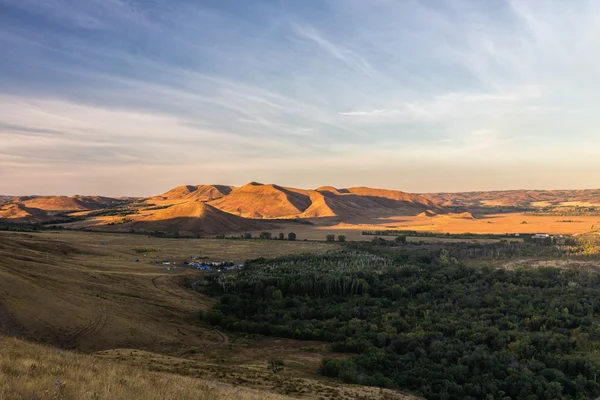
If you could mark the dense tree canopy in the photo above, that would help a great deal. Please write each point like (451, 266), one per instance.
(420, 320)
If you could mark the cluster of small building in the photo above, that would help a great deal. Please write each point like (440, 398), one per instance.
(208, 266)
(558, 239)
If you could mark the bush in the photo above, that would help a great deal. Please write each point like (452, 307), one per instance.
(275, 366)
(291, 236)
(400, 239)
(330, 238)
(265, 235)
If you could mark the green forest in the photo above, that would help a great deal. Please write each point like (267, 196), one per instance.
(422, 320)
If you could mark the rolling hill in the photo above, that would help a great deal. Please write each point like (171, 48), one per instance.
(20, 213)
(192, 218)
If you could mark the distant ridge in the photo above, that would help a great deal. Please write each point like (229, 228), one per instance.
(516, 198)
(64, 203)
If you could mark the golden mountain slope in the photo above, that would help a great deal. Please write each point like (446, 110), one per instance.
(187, 193)
(255, 200)
(272, 201)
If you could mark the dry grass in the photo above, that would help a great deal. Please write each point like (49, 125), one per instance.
(29, 371)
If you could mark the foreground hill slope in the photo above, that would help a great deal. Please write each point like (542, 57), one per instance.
(195, 218)
(31, 371)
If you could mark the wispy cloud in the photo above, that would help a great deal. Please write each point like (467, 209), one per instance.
(261, 91)
(348, 57)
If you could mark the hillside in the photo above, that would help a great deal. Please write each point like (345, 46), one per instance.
(272, 201)
(32, 371)
(20, 213)
(193, 218)
(256, 200)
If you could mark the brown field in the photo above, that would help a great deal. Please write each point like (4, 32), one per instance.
(451, 223)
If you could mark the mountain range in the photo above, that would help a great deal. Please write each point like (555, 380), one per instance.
(215, 209)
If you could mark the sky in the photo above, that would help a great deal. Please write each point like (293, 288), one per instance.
(134, 97)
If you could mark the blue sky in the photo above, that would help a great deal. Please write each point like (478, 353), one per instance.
(132, 97)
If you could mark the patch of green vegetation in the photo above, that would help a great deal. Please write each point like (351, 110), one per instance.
(144, 250)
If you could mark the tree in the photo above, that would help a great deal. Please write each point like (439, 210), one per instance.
(291, 236)
(330, 238)
(281, 236)
(265, 235)
(247, 235)
(401, 239)
(341, 238)
(275, 366)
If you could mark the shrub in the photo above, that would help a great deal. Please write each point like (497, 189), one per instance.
(275, 366)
